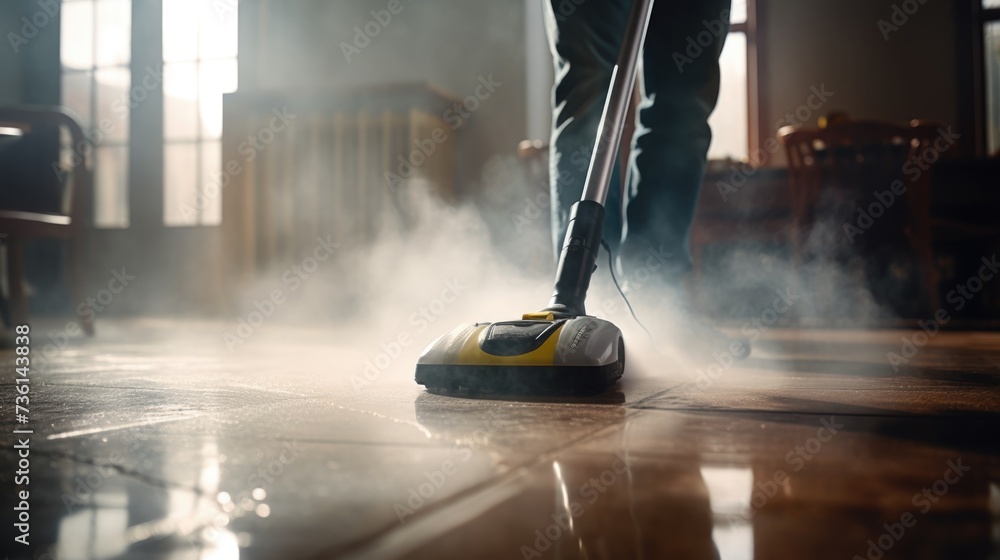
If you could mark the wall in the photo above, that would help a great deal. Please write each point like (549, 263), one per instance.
(10, 62)
(838, 43)
(539, 67)
(300, 45)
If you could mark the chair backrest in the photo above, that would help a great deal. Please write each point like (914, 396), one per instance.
(41, 172)
(854, 157)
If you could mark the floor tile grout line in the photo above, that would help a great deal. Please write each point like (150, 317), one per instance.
(121, 469)
(357, 547)
(159, 388)
(638, 403)
(976, 416)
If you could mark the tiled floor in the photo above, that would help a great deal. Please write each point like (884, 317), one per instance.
(153, 441)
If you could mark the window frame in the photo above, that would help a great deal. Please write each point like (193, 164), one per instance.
(750, 29)
(983, 17)
(92, 124)
(199, 140)
(144, 129)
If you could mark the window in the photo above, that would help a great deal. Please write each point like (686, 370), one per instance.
(95, 40)
(731, 119)
(199, 66)
(991, 62)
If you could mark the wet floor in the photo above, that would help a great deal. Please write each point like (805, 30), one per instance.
(153, 441)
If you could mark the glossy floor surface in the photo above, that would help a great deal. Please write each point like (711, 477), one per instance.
(153, 441)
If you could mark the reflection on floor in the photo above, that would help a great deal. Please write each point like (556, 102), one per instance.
(153, 441)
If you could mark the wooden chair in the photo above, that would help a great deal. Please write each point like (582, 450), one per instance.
(68, 221)
(856, 158)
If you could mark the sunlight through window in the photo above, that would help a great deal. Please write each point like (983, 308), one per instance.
(199, 56)
(992, 63)
(95, 40)
(729, 491)
(730, 120)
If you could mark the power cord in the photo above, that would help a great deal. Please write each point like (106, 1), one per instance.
(611, 268)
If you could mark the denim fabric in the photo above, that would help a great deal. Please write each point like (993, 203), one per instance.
(679, 83)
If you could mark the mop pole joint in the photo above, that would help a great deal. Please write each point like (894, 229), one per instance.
(578, 259)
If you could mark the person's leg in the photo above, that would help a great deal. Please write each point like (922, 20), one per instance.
(679, 92)
(584, 39)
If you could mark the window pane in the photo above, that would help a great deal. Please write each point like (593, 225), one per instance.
(991, 3)
(200, 46)
(180, 30)
(98, 34)
(217, 78)
(76, 49)
(179, 185)
(76, 95)
(180, 101)
(210, 188)
(114, 32)
(111, 186)
(738, 12)
(729, 120)
(992, 49)
(112, 104)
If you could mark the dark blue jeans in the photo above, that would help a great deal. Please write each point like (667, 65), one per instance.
(679, 83)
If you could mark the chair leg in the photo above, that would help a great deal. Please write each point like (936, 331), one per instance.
(15, 283)
(795, 270)
(920, 245)
(76, 279)
(926, 258)
(5, 299)
(921, 240)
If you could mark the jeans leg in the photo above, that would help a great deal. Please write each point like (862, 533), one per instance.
(584, 39)
(679, 92)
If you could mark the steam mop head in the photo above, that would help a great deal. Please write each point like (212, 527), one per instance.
(577, 355)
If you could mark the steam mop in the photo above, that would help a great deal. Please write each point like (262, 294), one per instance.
(559, 349)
